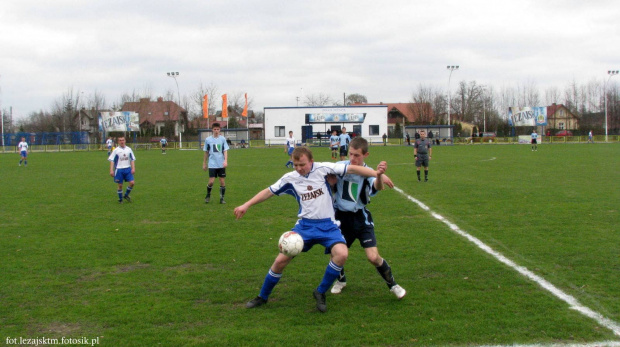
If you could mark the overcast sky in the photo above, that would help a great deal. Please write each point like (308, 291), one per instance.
(279, 50)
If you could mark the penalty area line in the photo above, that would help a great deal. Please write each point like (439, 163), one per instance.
(569, 299)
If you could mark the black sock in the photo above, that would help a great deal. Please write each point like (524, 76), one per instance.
(222, 191)
(425, 174)
(386, 272)
(342, 277)
(209, 190)
(418, 174)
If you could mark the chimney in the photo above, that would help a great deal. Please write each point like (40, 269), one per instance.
(160, 99)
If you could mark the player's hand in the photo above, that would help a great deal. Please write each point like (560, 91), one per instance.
(133, 171)
(332, 180)
(240, 211)
(225, 163)
(204, 167)
(112, 173)
(381, 168)
(387, 181)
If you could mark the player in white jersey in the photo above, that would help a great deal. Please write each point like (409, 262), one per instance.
(534, 140)
(109, 143)
(334, 143)
(122, 168)
(316, 224)
(216, 153)
(352, 194)
(289, 147)
(163, 142)
(344, 144)
(23, 152)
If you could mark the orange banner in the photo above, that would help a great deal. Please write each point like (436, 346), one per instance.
(245, 108)
(224, 106)
(205, 107)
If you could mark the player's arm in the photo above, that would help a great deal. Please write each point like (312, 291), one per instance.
(112, 168)
(205, 160)
(362, 171)
(258, 198)
(133, 167)
(225, 159)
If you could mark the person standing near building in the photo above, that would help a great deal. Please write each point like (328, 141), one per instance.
(352, 194)
(344, 143)
(590, 137)
(408, 139)
(216, 154)
(316, 223)
(422, 151)
(122, 168)
(334, 144)
(384, 139)
(163, 142)
(109, 143)
(289, 147)
(23, 152)
(534, 141)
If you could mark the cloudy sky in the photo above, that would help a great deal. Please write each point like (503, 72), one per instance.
(279, 50)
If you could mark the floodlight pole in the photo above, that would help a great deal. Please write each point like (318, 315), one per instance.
(451, 68)
(174, 75)
(611, 74)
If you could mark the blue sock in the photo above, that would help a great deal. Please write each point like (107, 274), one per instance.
(129, 189)
(271, 280)
(120, 194)
(331, 273)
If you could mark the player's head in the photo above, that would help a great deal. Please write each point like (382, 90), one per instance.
(344, 130)
(302, 160)
(121, 141)
(334, 132)
(422, 134)
(23, 139)
(358, 150)
(216, 129)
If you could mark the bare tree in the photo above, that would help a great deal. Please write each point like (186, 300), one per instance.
(212, 94)
(355, 99)
(421, 104)
(319, 100)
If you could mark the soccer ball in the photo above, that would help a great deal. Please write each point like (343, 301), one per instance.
(291, 243)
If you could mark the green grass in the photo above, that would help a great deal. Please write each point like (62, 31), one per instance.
(171, 270)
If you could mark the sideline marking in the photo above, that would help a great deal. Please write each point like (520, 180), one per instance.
(572, 301)
(489, 159)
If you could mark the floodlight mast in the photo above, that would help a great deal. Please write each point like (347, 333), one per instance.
(174, 75)
(451, 68)
(611, 74)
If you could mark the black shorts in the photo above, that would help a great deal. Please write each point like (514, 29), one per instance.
(533, 141)
(421, 160)
(221, 172)
(357, 226)
(343, 151)
(163, 145)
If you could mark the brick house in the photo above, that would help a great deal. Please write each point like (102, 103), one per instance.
(158, 117)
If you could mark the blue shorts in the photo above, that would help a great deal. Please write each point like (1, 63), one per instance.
(290, 150)
(319, 231)
(123, 175)
(24, 154)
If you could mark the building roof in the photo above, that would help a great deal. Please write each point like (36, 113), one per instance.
(409, 110)
(155, 111)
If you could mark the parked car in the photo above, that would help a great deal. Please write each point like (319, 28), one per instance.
(564, 133)
(488, 134)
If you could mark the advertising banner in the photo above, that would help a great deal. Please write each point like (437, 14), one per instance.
(334, 116)
(527, 116)
(119, 121)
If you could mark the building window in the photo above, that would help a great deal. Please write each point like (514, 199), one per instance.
(279, 132)
(373, 130)
(357, 129)
(561, 126)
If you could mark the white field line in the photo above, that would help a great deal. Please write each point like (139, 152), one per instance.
(591, 344)
(573, 302)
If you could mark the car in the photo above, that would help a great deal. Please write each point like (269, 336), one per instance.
(564, 133)
(488, 134)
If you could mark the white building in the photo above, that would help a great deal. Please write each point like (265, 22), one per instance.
(306, 123)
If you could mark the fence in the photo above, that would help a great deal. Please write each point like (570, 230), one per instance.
(195, 145)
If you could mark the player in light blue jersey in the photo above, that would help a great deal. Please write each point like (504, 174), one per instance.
(316, 224)
(344, 144)
(163, 142)
(334, 143)
(534, 140)
(122, 168)
(289, 147)
(352, 194)
(216, 153)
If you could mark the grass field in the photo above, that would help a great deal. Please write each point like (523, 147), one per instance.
(170, 270)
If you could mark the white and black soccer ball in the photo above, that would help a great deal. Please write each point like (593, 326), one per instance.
(291, 243)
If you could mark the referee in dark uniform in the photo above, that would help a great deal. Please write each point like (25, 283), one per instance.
(422, 152)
